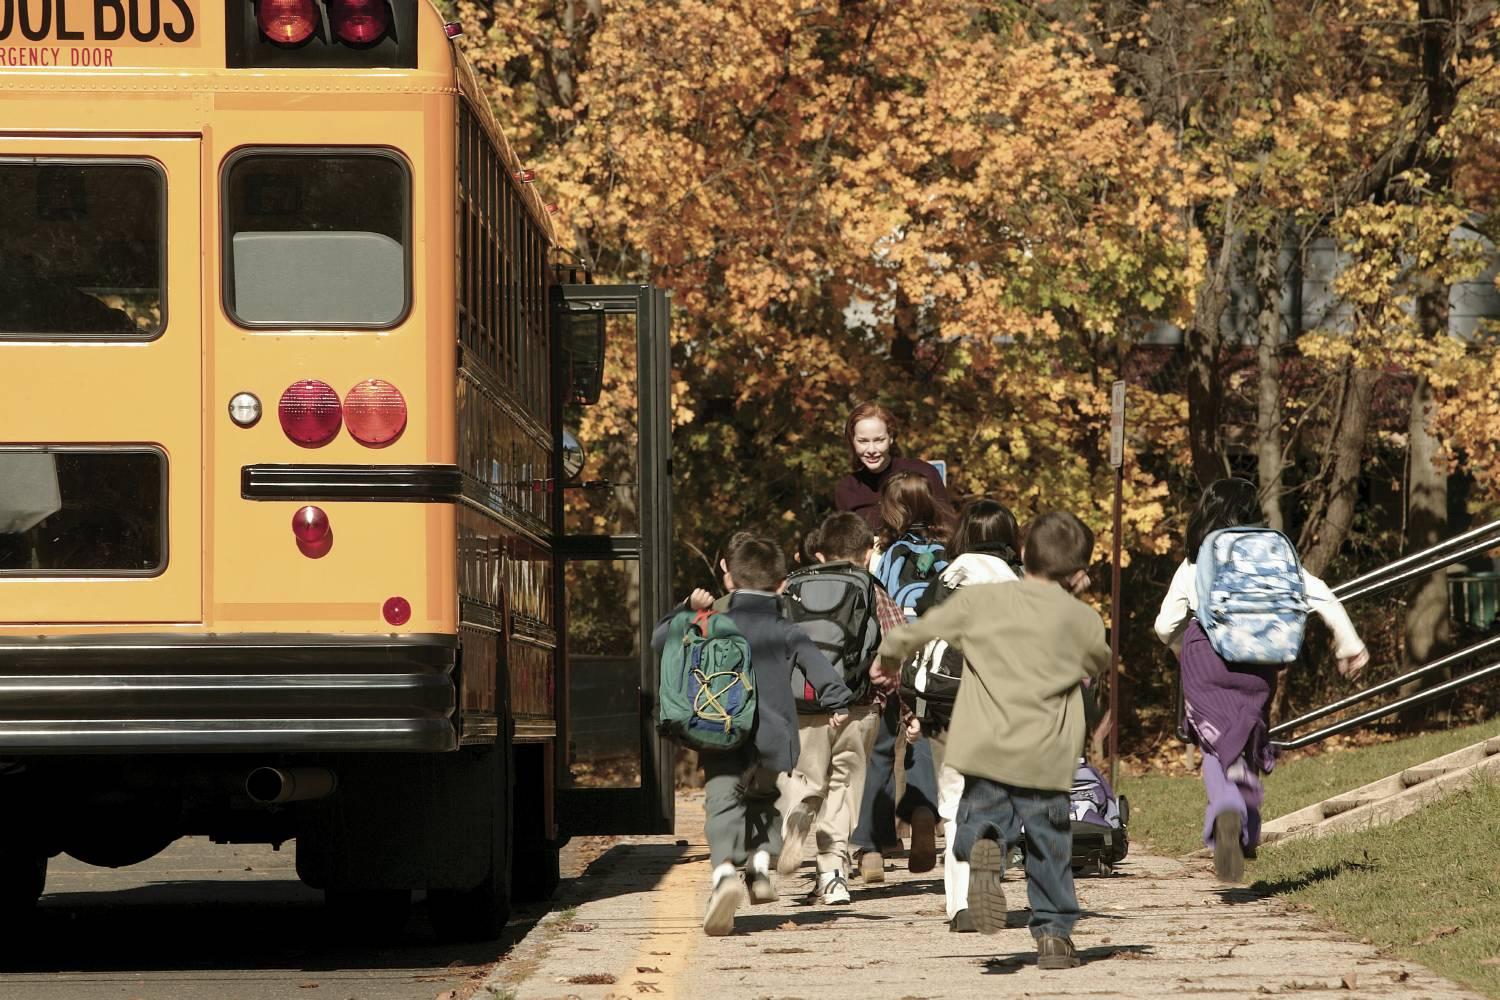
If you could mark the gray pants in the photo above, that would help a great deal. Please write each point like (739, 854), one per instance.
(739, 807)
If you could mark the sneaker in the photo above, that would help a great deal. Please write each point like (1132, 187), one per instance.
(923, 856)
(872, 867)
(1053, 952)
(1229, 854)
(962, 923)
(834, 888)
(761, 889)
(723, 900)
(986, 893)
(799, 821)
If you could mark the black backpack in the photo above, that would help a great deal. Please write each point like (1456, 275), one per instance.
(834, 603)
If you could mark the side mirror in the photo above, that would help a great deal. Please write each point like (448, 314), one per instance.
(583, 346)
(574, 458)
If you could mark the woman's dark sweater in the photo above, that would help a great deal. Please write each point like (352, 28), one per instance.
(860, 491)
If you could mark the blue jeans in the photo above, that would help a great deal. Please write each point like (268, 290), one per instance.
(990, 810)
(878, 808)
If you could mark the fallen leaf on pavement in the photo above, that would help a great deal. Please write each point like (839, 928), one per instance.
(307, 986)
(643, 969)
(790, 925)
(1350, 981)
(592, 979)
(784, 951)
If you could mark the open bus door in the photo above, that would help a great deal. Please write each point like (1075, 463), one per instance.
(615, 772)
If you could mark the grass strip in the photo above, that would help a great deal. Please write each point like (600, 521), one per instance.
(1167, 811)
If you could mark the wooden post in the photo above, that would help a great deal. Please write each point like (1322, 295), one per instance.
(1116, 459)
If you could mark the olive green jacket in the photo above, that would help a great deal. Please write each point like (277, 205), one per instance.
(1027, 647)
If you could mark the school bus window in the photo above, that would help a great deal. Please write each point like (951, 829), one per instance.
(69, 510)
(317, 238)
(81, 249)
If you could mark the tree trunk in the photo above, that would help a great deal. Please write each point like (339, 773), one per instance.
(1326, 530)
(1268, 440)
(1427, 627)
(1205, 379)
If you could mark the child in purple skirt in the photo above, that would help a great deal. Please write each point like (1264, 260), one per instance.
(1227, 703)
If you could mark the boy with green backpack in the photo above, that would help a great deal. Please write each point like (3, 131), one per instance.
(741, 823)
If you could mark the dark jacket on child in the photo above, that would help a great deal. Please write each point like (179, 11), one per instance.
(775, 646)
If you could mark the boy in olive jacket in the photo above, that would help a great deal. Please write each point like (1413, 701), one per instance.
(1018, 724)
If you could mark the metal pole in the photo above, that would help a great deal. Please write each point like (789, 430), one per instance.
(1114, 638)
(1376, 713)
(1117, 459)
(1459, 656)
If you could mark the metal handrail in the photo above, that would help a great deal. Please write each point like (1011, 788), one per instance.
(1355, 722)
(1390, 685)
(1419, 564)
(1403, 570)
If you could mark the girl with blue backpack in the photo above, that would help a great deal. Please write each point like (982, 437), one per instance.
(1234, 613)
(913, 531)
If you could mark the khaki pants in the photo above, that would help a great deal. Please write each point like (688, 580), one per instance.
(950, 789)
(830, 777)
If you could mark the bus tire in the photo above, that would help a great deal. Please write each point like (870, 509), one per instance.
(537, 873)
(23, 876)
(368, 914)
(477, 914)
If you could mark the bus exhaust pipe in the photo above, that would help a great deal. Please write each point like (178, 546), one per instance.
(275, 785)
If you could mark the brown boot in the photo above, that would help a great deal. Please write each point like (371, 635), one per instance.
(923, 841)
(1053, 952)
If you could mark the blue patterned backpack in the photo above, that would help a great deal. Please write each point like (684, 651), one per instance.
(1252, 600)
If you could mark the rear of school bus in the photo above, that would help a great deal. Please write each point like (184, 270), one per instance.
(227, 448)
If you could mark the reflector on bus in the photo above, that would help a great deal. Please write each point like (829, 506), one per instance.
(287, 22)
(359, 22)
(321, 34)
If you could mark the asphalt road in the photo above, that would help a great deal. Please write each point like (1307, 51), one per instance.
(229, 922)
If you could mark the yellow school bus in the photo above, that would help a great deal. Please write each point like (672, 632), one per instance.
(287, 542)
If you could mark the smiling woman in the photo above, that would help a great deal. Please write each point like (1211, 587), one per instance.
(870, 432)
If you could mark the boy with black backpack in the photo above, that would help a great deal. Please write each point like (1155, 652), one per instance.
(839, 604)
(741, 823)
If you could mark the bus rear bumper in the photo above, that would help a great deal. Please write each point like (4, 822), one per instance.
(232, 694)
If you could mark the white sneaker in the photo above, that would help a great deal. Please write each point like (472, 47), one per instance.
(799, 821)
(723, 900)
(834, 888)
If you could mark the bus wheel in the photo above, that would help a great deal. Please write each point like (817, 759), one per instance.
(23, 875)
(365, 914)
(536, 872)
(477, 914)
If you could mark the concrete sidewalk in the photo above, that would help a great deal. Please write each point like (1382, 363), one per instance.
(1158, 927)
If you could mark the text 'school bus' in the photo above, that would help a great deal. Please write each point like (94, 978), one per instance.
(287, 522)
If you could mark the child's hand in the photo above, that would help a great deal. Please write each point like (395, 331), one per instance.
(1078, 583)
(913, 729)
(700, 600)
(1350, 666)
(837, 719)
(885, 674)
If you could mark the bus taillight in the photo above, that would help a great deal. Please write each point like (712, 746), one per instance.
(314, 533)
(310, 413)
(375, 412)
(287, 22)
(359, 22)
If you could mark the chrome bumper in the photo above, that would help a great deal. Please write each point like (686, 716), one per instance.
(210, 693)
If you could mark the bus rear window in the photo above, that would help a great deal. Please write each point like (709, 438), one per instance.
(317, 238)
(81, 249)
(82, 511)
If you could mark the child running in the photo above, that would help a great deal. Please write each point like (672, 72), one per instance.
(740, 819)
(982, 551)
(823, 792)
(1227, 703)
(1018, 723)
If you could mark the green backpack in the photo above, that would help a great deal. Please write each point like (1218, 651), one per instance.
(707, 694)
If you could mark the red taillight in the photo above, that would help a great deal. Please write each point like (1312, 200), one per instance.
(375, 412)
(287, 22)
(359, 22)
(309, 412)
(314, 533)
(397, 611)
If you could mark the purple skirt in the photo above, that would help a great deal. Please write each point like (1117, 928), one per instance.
(1226, 703)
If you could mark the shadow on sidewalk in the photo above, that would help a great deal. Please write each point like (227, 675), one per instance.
(1005, 965)
(1257, 891)
(623, 870)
